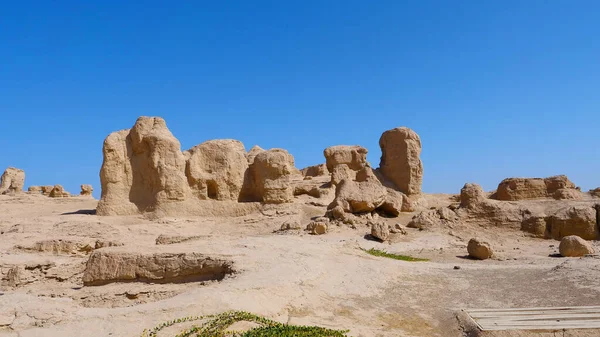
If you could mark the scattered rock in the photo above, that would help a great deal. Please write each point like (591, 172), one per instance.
(398, 229)
(60, 247)
(109, 266)
(380, 230)
(456, 267)
(12, 181)
(172, 239)
(290, 225)
(400, 159)
(479, 249)
(574, 246)
(433, 218)
(317, 228)
(106, 243)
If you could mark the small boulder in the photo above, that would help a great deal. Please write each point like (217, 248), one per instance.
(380, 230)
(479, 249)
(574, 246)
(317, 227)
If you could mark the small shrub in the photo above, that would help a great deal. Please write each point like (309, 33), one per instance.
(216, 325)
(377, 252)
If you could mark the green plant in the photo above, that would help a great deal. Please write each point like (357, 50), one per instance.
(216, 326)
(377, 252)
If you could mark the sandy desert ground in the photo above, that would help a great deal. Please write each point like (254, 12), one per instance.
(290, 276)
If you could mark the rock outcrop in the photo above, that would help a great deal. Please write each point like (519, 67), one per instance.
(574, 246)
(86, 190)
(345, 161)
(557, 187)
(252, 153)
(47, 189)
(216, 169)
(271, 174)
(315, 171)
(12, 180)
(479, 249)
(574, 220)
(59, 192)
(34, 190)
(400, 159)
(112, 266)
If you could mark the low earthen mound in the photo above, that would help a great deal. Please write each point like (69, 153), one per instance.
(105, 267)
(400, 159)
(512, 189)
(12, 180)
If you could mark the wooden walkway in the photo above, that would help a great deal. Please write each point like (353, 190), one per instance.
(557, 318)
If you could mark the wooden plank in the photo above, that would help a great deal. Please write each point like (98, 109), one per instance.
(533, 313)
(547, 318)
(531, 309)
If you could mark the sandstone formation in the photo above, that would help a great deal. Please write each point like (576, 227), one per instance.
(59, 192)
(400, 159)
(574, 246)
(595, 192)
(558, 187)
(215, 169)
(86, 190)
(47, 189)
(479, 249)
(344, 161)
(144, 170)
(12, 180)
(574, 220)
(315, 171)
(109, 266)
(34, 189)
(271, 174)
(252, 153)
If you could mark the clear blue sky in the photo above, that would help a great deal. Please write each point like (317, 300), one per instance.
(494, 88)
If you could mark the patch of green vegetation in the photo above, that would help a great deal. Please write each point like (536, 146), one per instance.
(216, 326)
(377, 252)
